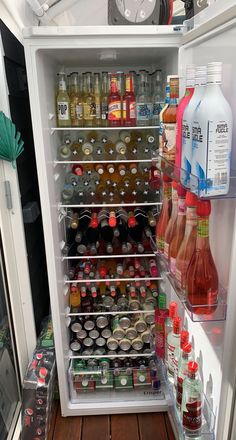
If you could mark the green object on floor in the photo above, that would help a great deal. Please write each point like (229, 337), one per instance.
(11, 144)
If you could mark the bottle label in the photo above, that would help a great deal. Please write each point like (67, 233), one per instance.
(167, 191)
(132, 109)
(62, 85)
(179, 390)
(212, 297)
(186, 151)
(181, 207)
(166, 250)
(89, 111)
(169, 141)
(157, 108)
(174, 196)
(63, 111)
(114, 111)
(104, 111)
(173, 265)
(144, 111)
(79, 111)
(160, 243)
(170, 357)
(98, 111)
(211, 155)
(191, 216)
(203, 227)
(192, 415)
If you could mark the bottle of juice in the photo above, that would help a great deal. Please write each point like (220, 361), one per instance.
(164, 215)
(180, 229)
(114, 104)
(189, 241)
(190, 74)
(129, 103)
(169, 118)
(212, 137)
(199, 90)
(171, 228)
(191, 409)
(63, 102)
(202, 278)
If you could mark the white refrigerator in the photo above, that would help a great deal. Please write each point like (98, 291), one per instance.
(106, 48)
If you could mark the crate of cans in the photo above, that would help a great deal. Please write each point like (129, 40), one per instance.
(95, 375)
(100, 334)
(38, 387)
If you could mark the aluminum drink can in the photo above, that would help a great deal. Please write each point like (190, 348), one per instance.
(146, 336)
(134, 304)
(149, 317)
(102, 321)
(88, 342)
(112, 353)
(89, 325)
(87, 352)
(112, 343)
(137, 343)
(81, 335)
(140, 325)
(75, 346)
(76, 327)
(104, 363)
(94, 334)
(119, 333)
(106, 333)
(99, 351)
(131, 333)
(124, 322)
(100, 342)
(125, 344)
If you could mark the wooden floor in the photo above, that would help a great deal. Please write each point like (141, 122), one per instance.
(150, 426)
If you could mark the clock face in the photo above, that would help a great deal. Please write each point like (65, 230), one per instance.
(136, 11)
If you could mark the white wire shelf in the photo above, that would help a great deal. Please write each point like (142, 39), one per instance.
(111, 356)
(112, 160)
(126, 312)
(111, 280)
(109, 205)
(147, 127)
(124, 256)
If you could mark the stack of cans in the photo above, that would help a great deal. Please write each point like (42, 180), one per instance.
(105, 334)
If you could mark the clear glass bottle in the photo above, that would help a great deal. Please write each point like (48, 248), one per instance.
(97, 96)
(180, 229)
(169, 118)
(173, 310)
(114, 104)
(171, 228)
(173, 342)
(187, 355)
(184, 339)
(143, 101)
(158, 97)
(76, 105)
(104, 99)
(192, 400)
(63, 102)
(164, 214)
(89, 106)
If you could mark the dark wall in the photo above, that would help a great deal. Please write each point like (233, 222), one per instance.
(26, 165)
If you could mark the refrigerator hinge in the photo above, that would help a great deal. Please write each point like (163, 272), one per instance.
(8, 194)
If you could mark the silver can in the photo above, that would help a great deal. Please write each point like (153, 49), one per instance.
(101, 321)
(125, 344)
(140, 325)
(124, 322)
(134, 304)
(94, 334)
(87, 352)
(149, 317)
(131, 333)
(92, 363)
(118, 333)
(76, 327)
(88, 342)
(146, 336)
(89, 325)
(100, 342)
(99, 351)
(112, 343)
(108, 302)
(153, 329)
(81, 335)
(75, 346)
(106, 333)
(112, 353)
(137, 343)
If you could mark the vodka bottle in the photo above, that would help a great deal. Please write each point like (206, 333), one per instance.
(144, 103)
(212, 137)
(173, 309)
(158, 98)
(191, 409)
(186, 155)
(182, 371)
(173, 342)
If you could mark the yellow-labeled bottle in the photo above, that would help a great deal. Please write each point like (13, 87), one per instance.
(63, 102)
(76, 105)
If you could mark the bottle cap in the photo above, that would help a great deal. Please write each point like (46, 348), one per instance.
(184, 337)
(131, 221)
(112, 219)
(166, 178)
(191, 199)
(187, 348)
(181, 190)
(203, 208)
(162, 301)
(176, 324)
(78, 170)
(94, 220)
(192, 367)
(173, 308)
(102, 271)
(174, 184)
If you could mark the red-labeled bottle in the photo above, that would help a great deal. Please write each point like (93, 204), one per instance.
(189, 241)
(179, 230)
(164, 215)
(161, 314)
(202, 279)
(114, 104)
(191, 408)
(129, 103)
